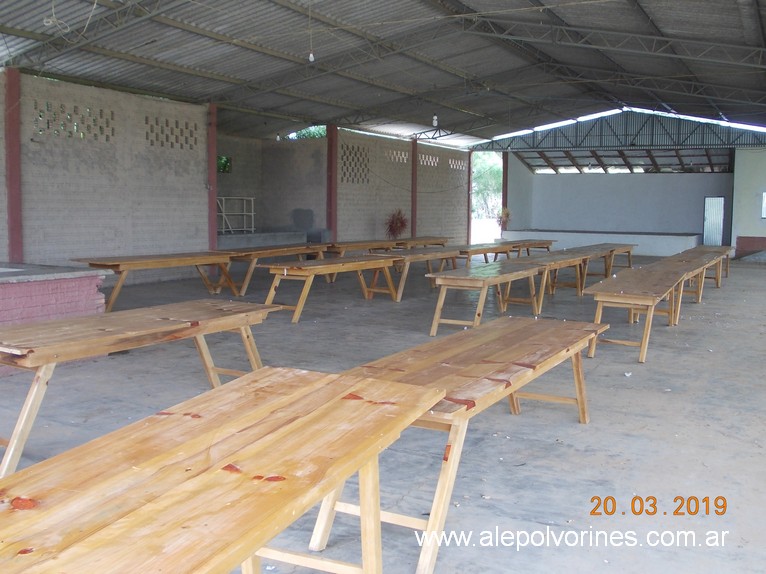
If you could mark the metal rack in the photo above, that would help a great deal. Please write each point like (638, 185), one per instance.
(236, 215)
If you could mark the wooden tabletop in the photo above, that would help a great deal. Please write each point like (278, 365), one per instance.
(362, 245)
(334, 265)
(201, 486)
(157, 261)
(33, 344)
(474, 365)
(248, 253)
(488, 273)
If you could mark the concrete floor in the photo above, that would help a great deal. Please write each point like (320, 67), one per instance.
(687, 423)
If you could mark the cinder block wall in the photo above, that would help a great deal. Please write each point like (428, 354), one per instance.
(443, 202)
(374, 179)
(106, 173)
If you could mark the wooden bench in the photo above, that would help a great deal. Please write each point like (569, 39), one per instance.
(207, 484)
(305, 271)
(41, 346)
(251, 255)
(478, 368)
(480, 278)
(199, 259)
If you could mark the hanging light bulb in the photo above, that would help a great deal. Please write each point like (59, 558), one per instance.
(435, 121)
(278, 137)
(311, 56)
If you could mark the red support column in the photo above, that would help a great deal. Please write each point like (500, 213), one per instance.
(13, 164)
(414, 189)
(212, 176)
(504, 191)
(332, 181)
(470, 195)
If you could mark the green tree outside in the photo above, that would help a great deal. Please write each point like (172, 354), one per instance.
(486, 184)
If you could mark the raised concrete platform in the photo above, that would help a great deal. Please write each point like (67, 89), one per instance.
(652, 244)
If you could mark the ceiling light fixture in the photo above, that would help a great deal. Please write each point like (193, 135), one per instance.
(435, 121)
(311, 39)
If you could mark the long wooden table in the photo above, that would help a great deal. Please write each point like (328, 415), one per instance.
(478, 368)
(199, 259)
(506, 248)
(251, 255)
(404, 258)
(205, 485)
(638, 290)
(41, 346)
(305, 271)
(480, 278)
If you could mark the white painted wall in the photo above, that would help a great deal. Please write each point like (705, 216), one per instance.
(749, 185)
(651, 203)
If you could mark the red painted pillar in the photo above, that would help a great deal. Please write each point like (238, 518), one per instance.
(470, 195)
(414, 189)
(332, 181)
(504, 191)
(212, 176)
(13, 164)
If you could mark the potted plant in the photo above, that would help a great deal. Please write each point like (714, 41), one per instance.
(503, 217)
(396, 223)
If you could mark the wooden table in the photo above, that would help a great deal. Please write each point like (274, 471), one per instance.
(506, 248)
(404, 258)
(252, 255)
(340, 248)
(481, 278)
(640, 291)
(199, 259)
(478, 368)
(305, 271)
(422, 241)
(41, 346)
(203, 486)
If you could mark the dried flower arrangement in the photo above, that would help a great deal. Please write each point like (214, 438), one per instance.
(503, 217)
(396, 223)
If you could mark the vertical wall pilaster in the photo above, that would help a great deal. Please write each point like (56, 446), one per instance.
(13, 164)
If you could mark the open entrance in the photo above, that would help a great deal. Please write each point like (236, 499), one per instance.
(486, 196)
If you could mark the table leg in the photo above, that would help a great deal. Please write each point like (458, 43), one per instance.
(369, 510)
(250, 348)
(444, 487)
(480, 305)
(302, 299)
(26, 419)
(403, 279)
(325, 518)
(121, 276)
(252, 565)
(579, 381)
(438, 311)
(538, 305)
(596, 319)
(248, 276)
(207, 361)
(647, 332)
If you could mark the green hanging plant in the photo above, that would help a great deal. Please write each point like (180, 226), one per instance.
(396, 223)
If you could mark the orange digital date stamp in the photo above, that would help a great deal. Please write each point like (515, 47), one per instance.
(648, 506)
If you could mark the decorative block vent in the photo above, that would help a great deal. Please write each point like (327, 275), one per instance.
(73, 121)
(459, 164)
(354, 164)
(429, 160)
(173, 134)
(397, 155)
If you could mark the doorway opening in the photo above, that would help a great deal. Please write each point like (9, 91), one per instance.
(486, 196)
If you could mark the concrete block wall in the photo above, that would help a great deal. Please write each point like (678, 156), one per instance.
(244, 180)
(443, 202)
(374, 179)
(106, 173)
(294, 184)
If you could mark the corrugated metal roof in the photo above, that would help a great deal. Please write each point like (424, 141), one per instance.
(485, 67)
